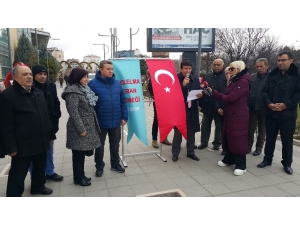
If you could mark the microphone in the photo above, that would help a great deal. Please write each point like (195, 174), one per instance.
(188, 76)
(205, 84)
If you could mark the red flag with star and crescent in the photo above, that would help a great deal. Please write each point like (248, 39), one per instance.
(168, 97)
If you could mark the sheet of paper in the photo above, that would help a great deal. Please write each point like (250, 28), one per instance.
(192, 95)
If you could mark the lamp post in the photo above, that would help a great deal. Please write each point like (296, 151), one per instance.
(131, 40)
(112, 47)
(103, 49)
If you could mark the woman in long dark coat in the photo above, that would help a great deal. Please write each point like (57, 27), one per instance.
(83, 131)
(236, 117)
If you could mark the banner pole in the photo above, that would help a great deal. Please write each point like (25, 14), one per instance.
(123, 155)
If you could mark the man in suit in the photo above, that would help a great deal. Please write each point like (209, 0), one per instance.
(187, 83)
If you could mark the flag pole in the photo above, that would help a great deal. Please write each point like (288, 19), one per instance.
(123, 155)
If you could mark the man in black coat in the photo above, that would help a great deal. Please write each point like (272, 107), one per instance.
(281, 95)
(187, 83)
(257, 107)
(41, 82)
(25, 132)
(210, 107)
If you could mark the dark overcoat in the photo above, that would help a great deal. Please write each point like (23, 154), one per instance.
(194, 110)
(25, 125)
(283, 89)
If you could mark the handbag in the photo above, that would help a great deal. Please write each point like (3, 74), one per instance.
(89, 153)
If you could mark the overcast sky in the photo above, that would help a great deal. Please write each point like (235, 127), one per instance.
(76, 43)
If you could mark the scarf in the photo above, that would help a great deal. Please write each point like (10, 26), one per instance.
(90, 95)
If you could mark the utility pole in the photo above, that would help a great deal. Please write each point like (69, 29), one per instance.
(37, 47)
(130, 42)
(9, 50)
(199, 51)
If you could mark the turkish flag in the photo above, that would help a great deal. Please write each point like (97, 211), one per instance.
(9, 75)
(169, 100)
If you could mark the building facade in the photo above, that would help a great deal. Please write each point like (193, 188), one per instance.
(56, 53)
(15, 33)
(92, 58)
(4, 53)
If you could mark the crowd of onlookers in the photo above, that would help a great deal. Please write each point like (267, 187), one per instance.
(240, 104)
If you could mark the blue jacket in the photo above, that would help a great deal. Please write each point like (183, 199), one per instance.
(111, 106)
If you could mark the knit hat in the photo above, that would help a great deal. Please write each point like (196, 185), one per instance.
(38, 69)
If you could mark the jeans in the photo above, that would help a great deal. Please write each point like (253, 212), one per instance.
(50, 165)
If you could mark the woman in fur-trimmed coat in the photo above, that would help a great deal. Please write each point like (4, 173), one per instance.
(83, 131)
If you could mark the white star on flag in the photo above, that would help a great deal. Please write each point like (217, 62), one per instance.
(167, 89)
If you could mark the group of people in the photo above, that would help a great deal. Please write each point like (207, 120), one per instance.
(239, 103)
(29, 118)
(236, 101)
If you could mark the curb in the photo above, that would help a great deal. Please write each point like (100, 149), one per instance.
(295, 141)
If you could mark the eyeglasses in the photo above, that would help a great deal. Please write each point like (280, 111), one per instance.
(282, 60)
(231, 69)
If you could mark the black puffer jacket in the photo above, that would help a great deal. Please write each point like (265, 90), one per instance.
(257, 83)
(283, 89)
(209, 104)
(25, 125)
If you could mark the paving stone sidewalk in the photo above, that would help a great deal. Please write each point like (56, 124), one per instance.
(148, 174)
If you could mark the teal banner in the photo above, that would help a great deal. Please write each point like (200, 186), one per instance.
(127, 71)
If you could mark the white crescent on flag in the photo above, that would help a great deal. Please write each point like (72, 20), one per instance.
(159, 72)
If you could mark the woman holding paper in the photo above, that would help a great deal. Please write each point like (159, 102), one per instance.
(236, 117)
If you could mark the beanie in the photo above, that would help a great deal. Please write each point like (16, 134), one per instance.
(38, 69)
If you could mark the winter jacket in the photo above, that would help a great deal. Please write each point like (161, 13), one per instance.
(194, 110)
(209, 104)
(236, 116)
(25, 125)
(283, 89)
(111, 107)
(255, 96)
(82, 117)
(50, 93)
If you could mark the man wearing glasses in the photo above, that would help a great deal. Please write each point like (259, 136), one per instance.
(281, 95)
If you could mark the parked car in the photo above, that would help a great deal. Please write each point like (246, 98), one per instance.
(91, 76)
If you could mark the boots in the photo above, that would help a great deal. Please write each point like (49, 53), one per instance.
(155, 144)
(166, 142)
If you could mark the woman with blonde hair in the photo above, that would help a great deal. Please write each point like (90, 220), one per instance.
(236, 117)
